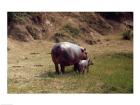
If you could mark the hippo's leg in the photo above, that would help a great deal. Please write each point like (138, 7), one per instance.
(83, 71)
(57, 68)
(76, 68)
(80, 70)
(62, 69)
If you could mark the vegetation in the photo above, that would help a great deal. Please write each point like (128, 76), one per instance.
(71, 30)
(111, 74)
(18, 17)
(127, 35)
(31, 69)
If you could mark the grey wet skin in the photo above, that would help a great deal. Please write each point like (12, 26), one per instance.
(66, 54)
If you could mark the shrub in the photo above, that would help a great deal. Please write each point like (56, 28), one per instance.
(71, 30)
(59, 34)
(18, 17)
(127, 35)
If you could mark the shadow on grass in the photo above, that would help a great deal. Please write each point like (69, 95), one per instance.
(53, 74)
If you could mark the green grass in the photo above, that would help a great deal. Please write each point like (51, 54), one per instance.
(116, 72)
(112, 73)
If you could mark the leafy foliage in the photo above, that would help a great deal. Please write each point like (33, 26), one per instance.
(127, 35)
(18, 17)
(71, 30)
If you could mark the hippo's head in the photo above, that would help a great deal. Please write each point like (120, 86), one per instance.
(84, 53)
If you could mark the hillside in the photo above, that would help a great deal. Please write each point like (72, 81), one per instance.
(69, 26)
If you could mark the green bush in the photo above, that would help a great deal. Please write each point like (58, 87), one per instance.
(127, 35)
(59, 34)
(71, 30)
(17, 17)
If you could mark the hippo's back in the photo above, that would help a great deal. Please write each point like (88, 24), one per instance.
(65, 53)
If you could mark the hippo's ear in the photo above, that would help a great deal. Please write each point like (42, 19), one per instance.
(82, 50)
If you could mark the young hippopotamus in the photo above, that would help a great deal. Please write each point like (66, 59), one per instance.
(83, 65)
(66, 54)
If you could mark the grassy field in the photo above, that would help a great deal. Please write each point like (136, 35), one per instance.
(31, 70)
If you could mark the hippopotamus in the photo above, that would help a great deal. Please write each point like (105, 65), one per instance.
(83, 65)
(66, 54)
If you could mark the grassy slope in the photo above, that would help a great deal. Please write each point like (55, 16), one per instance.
(30, 69)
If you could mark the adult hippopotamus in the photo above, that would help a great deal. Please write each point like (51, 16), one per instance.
(66, 54)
